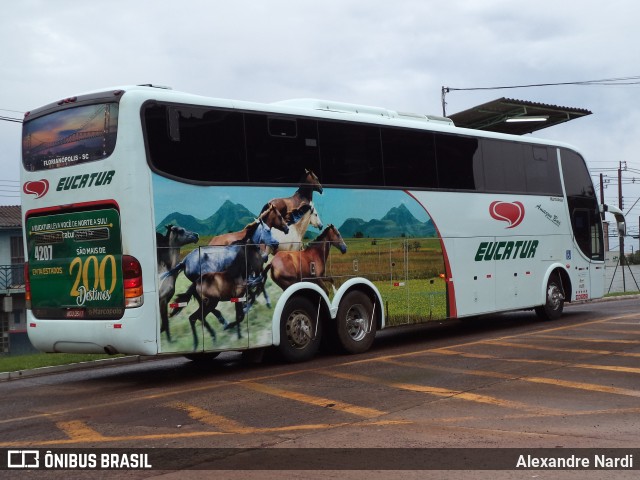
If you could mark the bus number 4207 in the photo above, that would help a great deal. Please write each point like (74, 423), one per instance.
(44, 252)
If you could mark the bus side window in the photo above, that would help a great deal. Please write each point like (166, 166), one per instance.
(350, 154)
(541, 166)
(409, 158)
(503, 166)
(196, 143)
(457, 157)
(278, 149)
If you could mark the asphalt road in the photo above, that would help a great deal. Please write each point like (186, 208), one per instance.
(507, 381)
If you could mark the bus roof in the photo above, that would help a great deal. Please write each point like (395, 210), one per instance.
(312, 107)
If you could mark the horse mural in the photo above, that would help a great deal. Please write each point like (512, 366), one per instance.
(304, 194)
(218, 258)
(270, 216)
(168, 251)
(247, 244)
(229, 284)
(308, 264)
(299, 221)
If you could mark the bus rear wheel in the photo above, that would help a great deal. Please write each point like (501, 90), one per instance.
(300, 330)
(355, 323)
(554, 300)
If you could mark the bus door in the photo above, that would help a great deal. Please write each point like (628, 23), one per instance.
(586, 225)
(586, 229)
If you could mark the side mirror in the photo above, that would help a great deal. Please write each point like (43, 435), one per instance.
(619, 216)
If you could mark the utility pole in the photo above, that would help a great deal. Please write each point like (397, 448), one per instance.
(602, 215)
(624, 286)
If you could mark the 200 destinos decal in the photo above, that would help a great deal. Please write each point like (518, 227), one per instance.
(510, 213)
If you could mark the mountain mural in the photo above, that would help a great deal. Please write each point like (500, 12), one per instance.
(398, 222)
(232, 217)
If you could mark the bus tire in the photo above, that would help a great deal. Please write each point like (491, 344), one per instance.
(554, 296)
(300, 330)
(355, 324)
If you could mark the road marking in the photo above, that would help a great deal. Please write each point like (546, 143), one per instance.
(637, 324)
(224, 424)
(78, 431)
(567, 350)
(440, 392)
(592, 387)
(589, 340)
(609, 368)
(314, 400)
(616, 331)
(169, 436)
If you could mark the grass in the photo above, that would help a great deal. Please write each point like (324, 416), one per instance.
(620, 294)
(14, 363)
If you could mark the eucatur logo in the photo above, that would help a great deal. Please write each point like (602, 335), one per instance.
(512, 213)
(39, 188)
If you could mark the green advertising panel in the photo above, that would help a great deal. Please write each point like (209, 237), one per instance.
(75, 265)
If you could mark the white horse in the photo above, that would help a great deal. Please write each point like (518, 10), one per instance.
(298, 221)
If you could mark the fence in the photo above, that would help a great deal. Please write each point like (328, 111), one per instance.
(12, 278)
(619, 280)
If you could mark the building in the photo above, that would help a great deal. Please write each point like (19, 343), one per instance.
(13, 328)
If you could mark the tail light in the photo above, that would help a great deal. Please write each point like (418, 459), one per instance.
(27, 286)
(132, 273)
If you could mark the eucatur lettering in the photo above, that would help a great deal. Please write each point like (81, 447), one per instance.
(506, 250)
(86, 180)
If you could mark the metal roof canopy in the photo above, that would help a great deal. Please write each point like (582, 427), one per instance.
(522, 115)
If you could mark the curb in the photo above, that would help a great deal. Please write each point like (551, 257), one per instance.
(105, 362)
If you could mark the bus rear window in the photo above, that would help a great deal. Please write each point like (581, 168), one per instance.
(69, 137)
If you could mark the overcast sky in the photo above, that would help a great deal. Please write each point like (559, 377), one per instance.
(394, 54)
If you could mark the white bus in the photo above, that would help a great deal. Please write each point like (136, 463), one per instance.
(163, 222)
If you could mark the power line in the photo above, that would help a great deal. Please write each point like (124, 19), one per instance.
(617, 81)
(10, 119)
(635, 80)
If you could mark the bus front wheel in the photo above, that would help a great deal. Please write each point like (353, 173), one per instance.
(355, 323)
(300, 330)
(554, 304)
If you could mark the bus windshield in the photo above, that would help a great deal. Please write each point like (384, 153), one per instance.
(70, 136)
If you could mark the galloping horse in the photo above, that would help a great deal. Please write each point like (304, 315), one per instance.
(168, 250)
(229, 284)
(299, 221)
(212, 259)
(309, 264)
(270, 216)
(308, 184)
(217, 259)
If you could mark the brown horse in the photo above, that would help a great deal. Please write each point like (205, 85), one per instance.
(308, 184)
(270, 216)
(309, 264)
(229, 285)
